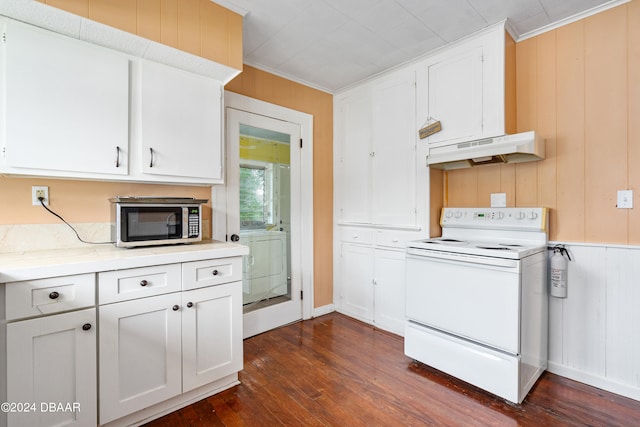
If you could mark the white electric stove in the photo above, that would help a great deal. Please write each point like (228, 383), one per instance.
(476, 298)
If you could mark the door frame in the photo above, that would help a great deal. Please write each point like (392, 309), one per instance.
(219, 195)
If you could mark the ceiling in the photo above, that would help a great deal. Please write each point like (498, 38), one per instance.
(331, 44)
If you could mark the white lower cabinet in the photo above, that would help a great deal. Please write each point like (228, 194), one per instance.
(211, 334)
(389, 290)
(120, 346)
(156, 347)
(51, 370)
(371, 285)
(357, 277)
(140, 354)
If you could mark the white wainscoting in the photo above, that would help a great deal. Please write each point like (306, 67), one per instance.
(594, 333)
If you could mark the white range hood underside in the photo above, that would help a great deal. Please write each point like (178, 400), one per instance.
(517, 148)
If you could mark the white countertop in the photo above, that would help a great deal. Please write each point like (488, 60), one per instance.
(51, 263)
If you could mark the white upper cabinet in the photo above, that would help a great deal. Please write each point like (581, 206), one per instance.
(181, 128)
(394, 151)
(66, 104)
(72, 109)
(353, 140)
(375, 142)
(463, 87)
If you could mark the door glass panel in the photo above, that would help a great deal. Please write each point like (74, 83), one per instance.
(265, 216)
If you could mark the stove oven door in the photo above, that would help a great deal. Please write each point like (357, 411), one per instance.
(473, 297)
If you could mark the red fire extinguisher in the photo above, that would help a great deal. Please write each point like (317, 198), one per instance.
(559, 272)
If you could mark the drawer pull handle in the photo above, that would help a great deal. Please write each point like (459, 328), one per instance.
(86, 326)
(215, 272)
(189, 304)
(54, 295)
(143, 283)
(176, 307)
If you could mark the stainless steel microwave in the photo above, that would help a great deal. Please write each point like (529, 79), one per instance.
(149, 221)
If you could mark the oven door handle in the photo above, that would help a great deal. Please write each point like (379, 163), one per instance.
(455, 258)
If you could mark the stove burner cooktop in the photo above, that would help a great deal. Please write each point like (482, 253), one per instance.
(491, 249)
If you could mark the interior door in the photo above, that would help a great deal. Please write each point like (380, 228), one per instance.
(263, 212)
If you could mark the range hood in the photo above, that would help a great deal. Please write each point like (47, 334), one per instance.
(516, 148)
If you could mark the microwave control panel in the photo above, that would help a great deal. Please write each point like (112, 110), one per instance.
(194, 222)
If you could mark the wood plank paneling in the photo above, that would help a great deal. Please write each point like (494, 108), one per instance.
(436, 200)
(488, 182)
(78, 7)
(169, 23)
(214, 31)
(546, 94)
(526, 191)
(508, 183)
(200, 27)
(510, 101)
(605, 125)
(189, 26)
(633, 117)
(115, 13)
(622, 316)
(527, 101)
(462, 187)
(583, 330)
(149, 19)
(570, 132)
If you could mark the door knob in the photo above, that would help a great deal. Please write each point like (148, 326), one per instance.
(235, 237)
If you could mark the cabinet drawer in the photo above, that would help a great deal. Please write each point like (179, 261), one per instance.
(394, 238)
(52, 295)
(357, 235)
(199, 274)
(123, 285)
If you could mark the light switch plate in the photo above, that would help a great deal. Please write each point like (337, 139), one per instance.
(625, 199)
(498, 200)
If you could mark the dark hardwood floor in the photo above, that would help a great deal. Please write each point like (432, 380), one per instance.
(336, 371)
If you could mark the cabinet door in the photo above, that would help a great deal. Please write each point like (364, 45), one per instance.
(389, 290)
(139, 354)
(53, 360)
(354, 161)
(393, 174)
(356, 295)
(67, 104)
(455, 95)
(181, 123)
(211, 334)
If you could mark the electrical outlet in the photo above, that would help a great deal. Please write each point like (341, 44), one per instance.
(37, 192)
(625, 199)
(498, 200)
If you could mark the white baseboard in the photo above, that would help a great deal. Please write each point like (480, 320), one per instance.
(594, 380)
(325, 309)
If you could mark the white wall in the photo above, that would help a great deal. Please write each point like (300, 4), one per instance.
(594, 334)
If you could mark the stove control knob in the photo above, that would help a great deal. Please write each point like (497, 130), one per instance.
(500, 215)
(533, 215)
(458, 214)
(449, 214)
(521, 215)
